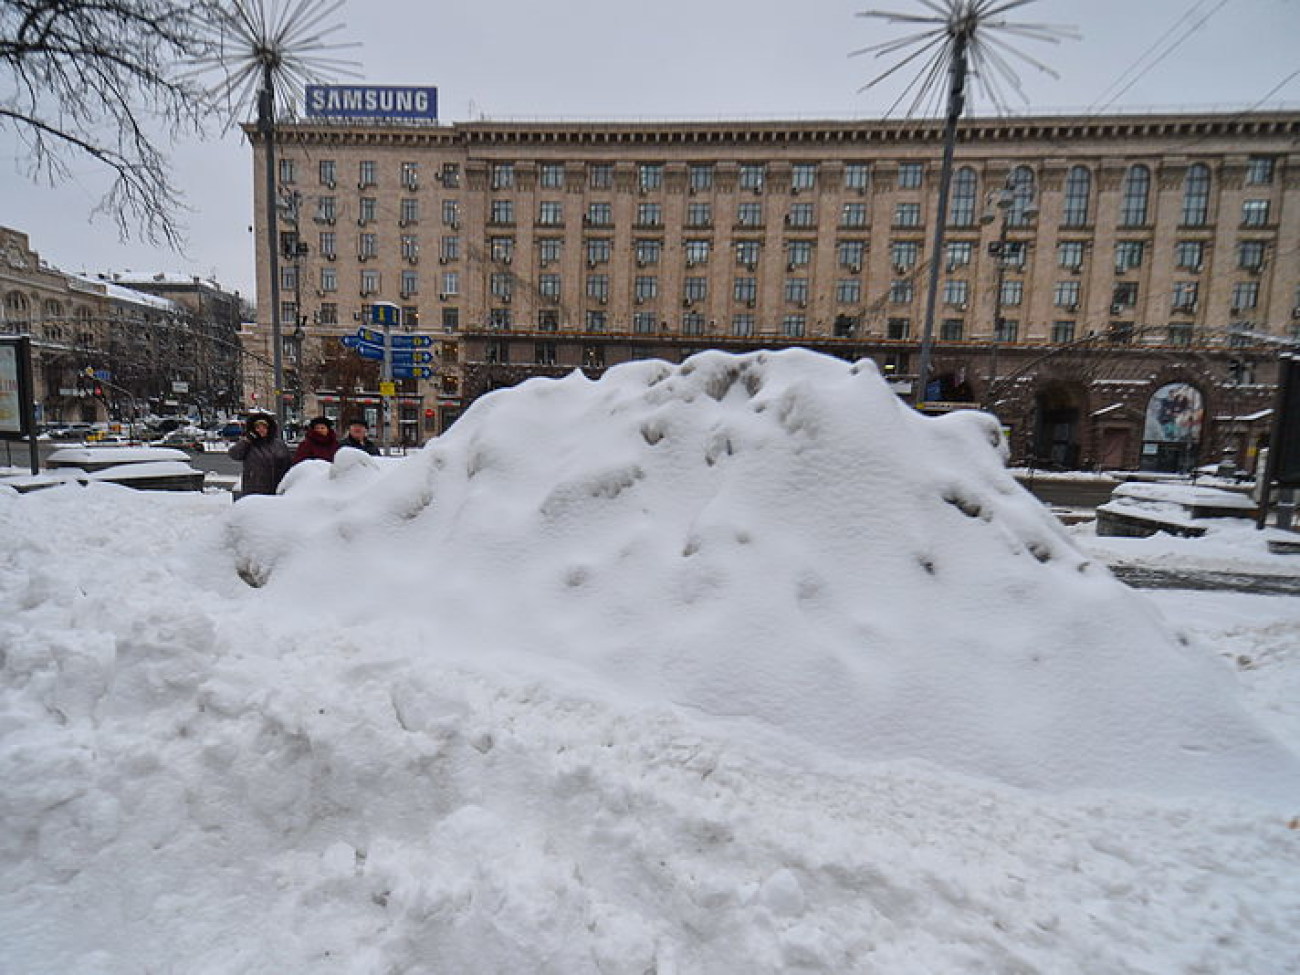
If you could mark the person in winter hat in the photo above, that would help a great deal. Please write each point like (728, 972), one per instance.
(320, 443)
(358, 438)
(264, 456)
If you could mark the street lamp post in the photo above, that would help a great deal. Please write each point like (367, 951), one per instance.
(1004, 201)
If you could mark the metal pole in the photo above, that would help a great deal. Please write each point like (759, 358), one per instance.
(266, 128)
(956, 103)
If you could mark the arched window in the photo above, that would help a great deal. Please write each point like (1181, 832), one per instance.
(965, 192)
(1078, 189)
(1137, 187)
(18, 312)
(52, 309)
(1196, 196)
(1021, 184)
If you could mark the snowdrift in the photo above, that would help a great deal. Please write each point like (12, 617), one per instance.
(773, 540)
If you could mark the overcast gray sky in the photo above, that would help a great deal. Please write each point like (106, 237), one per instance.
(621, 59)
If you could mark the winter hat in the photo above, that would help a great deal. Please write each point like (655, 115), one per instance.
(322, 419)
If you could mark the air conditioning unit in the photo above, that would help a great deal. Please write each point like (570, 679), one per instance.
(640, 262)
(401, 223)
(749, 303)
(690, 263)
(413, 259)
(687, 302)
(1116, 308)
(961, 306)
(444, 259)
(507, 259)
(602, 300)
(443, 296)
(362, 221)
(406, 294)
(794, 191)
(329, 221)
(505, 299)
(803, 303)
(855, 268)
(790, 265)
(330, 257)
(900, 268)
(1072, 307)
(329, 185)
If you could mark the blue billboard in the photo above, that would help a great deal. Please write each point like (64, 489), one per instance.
(372, 101)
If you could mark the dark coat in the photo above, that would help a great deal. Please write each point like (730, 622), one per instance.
(317, 447)
(265, 459)
(368, 446)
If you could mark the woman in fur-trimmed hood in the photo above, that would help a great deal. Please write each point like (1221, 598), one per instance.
(320, 443)
(264, 455)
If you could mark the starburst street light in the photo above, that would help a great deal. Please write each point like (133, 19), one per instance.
(957, 39)
(266, 52)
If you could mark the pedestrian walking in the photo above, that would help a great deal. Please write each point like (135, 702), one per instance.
(358, 438)
(320, 443)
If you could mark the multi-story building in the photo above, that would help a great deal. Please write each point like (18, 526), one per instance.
(144, 350)
(1098, 275)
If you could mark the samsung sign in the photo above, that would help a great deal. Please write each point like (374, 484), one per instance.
(372, 101)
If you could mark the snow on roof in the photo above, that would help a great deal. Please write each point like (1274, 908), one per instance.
(122, 293)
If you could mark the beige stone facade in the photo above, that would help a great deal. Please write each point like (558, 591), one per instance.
(1088, 262)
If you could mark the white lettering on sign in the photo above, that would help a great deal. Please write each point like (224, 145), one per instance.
(373, 101)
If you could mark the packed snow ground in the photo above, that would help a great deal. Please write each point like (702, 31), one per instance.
(737, 666)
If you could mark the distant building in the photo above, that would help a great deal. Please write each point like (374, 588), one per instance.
(104, 350)
(1099, 275)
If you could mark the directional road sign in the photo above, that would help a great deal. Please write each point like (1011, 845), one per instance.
(384, 313)
(370, 335)
(364, 349)
(408, 358)
(412, 372)
(412, 342)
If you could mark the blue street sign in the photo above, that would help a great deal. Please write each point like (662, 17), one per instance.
(407, 358)
(412, 341)
(412, 372)
(384, 313)
(370, 335)
(364, 349)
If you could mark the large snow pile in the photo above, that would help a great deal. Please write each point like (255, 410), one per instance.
(737, 666)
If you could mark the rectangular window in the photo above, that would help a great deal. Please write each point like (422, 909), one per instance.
(798, 253)
(450, 284)
(410, 248)
(600, 176)
(851, 254)
(747, 253)
(1013, 292)
(848, 291)
(897, 328)
(900, 292)
(501, 249)
(496, 350)
(649, 215)
(910, 175)
(548, 250)
(598, 287)
(288, 311)
(1185, 295)
(643, 322)
(742, 326)
(1062, 332)
(699, 215)
(700, 177)
(749, 215)
(449, 248)
(548, 286)
(545, 353)
(369, 282)
(1120, 333)
(502, 212)
(1254, 213)
(367, 246)
(329, 279)
(647, 252)
(1069, 254)
(368, 210)
(410, 212)
(793, 326)
(692, 323)
(853, 215)
(451, 213)
(696, 289)
(1013, 253)
(956, 293)
(598, 251)
(1125, 295)
(1245, 295)
(328, 173)
(501, 284)
(326, 209)
(1250, 255)
(550, 213)
(951, 329)
(796, 290)
(752, 176)
(645, 287)
(857, 176)
(501, 319)
(450, 176)
(1066, 295)
(328, 245)
(596, 321)
(503, 176)
(411, 175)
(450, 323)
(1259, 170)
(551, 176)
(745, 289)
(600, 214)
(697, 252)
(959, 254)
(650, 176)
(803, 176)
(329, 313)
(410, 283)
(907, 215)
(1189, 255)
(1179, 334)
(1006, 330)
(903, 255)
(800, 215)
(288, 170)
(367, 174)
(1128, 254)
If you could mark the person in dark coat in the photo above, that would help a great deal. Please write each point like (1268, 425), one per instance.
(264, 455)
(320, 443)
(358, 438)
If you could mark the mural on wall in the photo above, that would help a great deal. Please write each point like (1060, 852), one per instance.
(1175, 415)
